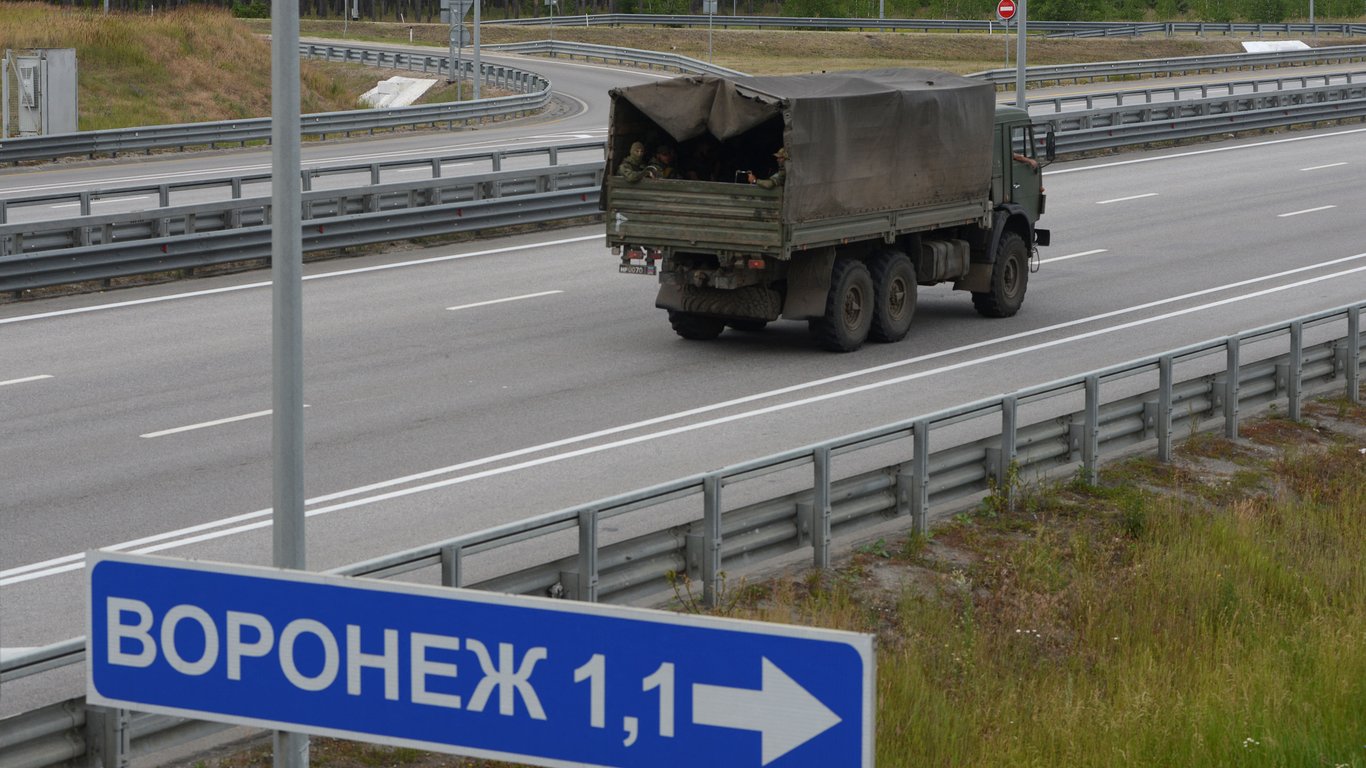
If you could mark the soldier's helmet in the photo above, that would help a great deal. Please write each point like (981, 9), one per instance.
(781, 154)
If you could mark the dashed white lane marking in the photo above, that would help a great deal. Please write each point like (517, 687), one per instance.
(26, 379)
(501, 301)
(1321, 167)
(207, 424)
(1126, 199)
(1306, 210)
(1074, 255)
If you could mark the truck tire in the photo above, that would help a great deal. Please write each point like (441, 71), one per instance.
(1009, 278)
(696, 327)
(848, 308)
(894, 296)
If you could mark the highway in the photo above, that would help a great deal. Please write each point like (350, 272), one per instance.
(449, 389)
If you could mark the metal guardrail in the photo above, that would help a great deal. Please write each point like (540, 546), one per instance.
(534, 94)
(610, 54)
(103, 247)
(1151, 94)
(1051, 28)
(1183, 65)
(1126, 126)
(231, 187)
(241, 230)
(835, 495)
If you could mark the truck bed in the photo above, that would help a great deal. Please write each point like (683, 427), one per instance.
(709, 217)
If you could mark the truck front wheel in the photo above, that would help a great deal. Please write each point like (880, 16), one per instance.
(848, 308)
(1009, 278)
(696, 327)
(894, 293)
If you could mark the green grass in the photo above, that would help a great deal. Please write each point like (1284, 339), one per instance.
(1226, 634)
(188, 65)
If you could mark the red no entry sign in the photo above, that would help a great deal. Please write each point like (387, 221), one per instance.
(1006, 9)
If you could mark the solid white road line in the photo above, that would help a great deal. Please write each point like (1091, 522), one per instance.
(1306, 210)
(1321, 167)
(26, 379)
(206, 424)
(501, 301)
(1125, 199)
(254, 520)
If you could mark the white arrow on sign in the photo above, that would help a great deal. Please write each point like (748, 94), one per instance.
(785, 714)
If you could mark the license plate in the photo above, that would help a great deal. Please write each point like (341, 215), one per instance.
(638, 269)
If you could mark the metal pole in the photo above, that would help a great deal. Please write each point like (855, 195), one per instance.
(291, 749)
(1021, 12)
(477, 73)
(4, 96)
(710, 16)
(451, 46)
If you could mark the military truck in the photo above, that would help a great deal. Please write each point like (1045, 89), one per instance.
(894, 178)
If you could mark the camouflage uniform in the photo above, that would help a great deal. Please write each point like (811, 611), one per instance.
(777, 179)
(662, 164)
(633, 167)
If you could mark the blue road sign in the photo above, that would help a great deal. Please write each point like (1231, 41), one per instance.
(533, 680)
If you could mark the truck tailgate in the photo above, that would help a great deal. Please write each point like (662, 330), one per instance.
(700, 216)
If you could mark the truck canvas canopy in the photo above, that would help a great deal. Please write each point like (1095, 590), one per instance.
(858, 142)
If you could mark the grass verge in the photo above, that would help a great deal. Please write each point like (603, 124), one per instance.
(1211, 611)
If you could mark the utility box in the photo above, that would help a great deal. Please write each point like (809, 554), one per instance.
(45, 80)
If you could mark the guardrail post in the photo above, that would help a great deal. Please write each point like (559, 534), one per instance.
(820, 509)
(107, 737)
(1090, 443)
(1296, 371)
(1231, 389)
(711, 540)
(587, 581)
(452, 565)
(920, 478)
(85, 202)
(1164, 409)
(1354, 354)
(1008, 418)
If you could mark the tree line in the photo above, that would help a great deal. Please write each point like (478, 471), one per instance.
(428, 11)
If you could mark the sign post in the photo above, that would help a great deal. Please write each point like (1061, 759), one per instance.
(1005, 11)
(522, 679)
(1022, 11)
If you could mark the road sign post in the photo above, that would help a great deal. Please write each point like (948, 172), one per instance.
(549, 682)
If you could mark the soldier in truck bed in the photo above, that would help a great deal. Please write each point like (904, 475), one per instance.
(633, 167)
(777, 179)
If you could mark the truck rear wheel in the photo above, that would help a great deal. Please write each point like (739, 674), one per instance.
(848, 308)
(696, 327)
(1009, 278)
(894, 296)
